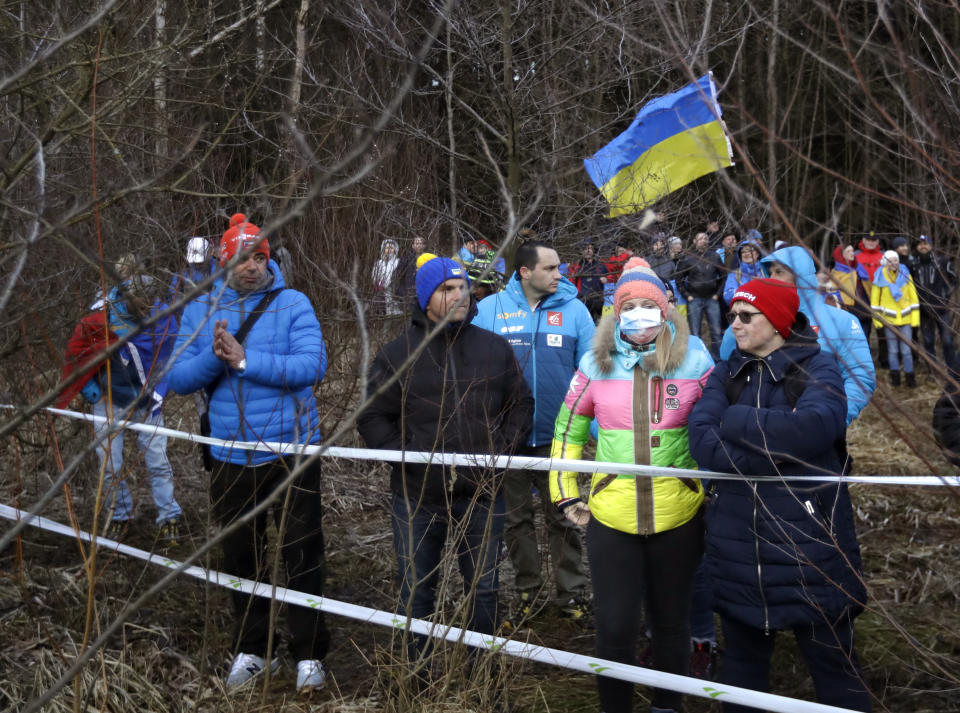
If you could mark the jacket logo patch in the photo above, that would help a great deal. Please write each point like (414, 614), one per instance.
(654, 441)
(554, 340)
(672, 389)
(671, 404)
(555, 319)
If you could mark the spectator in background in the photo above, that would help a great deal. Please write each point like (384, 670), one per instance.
(844, 275)
(783, 553)
(644, 535)
(589, 276)
(902, 247)
(868, 259)
(837, 332)
(674, 293)
(200, 265)
(257, 349)
(749, 253)
(935, 280)
(714, 236)
(383, 275)
(464, 393)
(468, 250)
(946, 420)
(406, 275)
(129, 386)
(896, 311)
(699, 275)
(550, 330)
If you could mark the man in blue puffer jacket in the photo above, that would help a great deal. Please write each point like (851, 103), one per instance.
(838, 331)
(260, 390)
(539, 315)
(782, 554)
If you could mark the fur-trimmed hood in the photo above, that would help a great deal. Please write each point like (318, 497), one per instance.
(606, 348)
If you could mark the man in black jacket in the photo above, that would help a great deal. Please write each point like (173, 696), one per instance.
(464, 393)
(935, 280)
(698, 276)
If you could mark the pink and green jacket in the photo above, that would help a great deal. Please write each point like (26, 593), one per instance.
(641, 413)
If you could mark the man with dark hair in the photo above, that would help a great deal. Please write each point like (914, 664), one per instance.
(589, 276)
(257, 350)
(550, 330)
(698, 276)
(464, 393)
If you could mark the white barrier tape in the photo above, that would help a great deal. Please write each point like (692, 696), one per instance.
(541, 654)
(517, 462)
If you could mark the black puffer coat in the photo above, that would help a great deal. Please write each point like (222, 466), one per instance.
(781, 553)
(465, 393)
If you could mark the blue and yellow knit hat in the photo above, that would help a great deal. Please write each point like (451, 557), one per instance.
(433, 271)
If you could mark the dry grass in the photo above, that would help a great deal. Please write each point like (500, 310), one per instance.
(171, 654)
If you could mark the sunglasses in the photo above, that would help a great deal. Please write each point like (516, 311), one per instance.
(744, 316)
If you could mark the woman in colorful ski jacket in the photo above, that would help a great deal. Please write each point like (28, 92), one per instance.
(640, 381)
(896, 310)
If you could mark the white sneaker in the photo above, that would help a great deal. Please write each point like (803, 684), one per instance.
(310, 675)
(245, 667)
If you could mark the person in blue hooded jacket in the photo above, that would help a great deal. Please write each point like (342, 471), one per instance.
(260, 390)
(550, 330)
(749, 252)
(782, 553)
(838, 331)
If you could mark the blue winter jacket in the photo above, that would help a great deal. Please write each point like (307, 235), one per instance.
(549, 342)
(744, 272)
(838, 331)
(781, 553)
(272, 400)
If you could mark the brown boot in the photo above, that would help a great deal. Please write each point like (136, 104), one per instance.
(894, 378)
(911, 380)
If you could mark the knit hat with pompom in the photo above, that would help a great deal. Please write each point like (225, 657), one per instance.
(640, 281)
(241, 236)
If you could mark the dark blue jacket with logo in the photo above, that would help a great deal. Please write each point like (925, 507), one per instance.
(548, 341)
(781, 553)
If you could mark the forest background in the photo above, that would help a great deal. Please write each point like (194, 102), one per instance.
(128, 127)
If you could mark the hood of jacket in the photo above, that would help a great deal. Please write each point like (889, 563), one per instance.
(607, 346)
(804, 269)
(566, 292)
(753, 243)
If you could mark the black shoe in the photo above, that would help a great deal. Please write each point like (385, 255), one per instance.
(895, 378)
(579, 609)
(911, 380)
(117, 530)
(526, 607)
(169, 533)
(703, 660)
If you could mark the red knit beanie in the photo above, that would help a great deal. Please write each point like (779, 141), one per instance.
(241, 236)
(777, 300)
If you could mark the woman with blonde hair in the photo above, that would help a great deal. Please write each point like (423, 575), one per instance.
(640, 381)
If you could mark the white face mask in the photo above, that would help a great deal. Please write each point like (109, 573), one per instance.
(640, 319)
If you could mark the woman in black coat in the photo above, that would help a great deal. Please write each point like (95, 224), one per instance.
(782, 554)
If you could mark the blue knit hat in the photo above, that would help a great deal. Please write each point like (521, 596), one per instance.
(433, 271)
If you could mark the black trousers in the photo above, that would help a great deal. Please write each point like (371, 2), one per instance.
(234, 491)
(826, 647)
(631, 572)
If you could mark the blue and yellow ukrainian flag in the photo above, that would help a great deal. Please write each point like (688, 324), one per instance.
(674, 140)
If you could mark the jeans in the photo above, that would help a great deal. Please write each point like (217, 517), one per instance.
(696, 307)
(566, 547)
(702, 626)
(234, 491)
(420, 531)
(897, 347)
(154, 449)
(827, 648)
(631, 572)
(932, 322)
